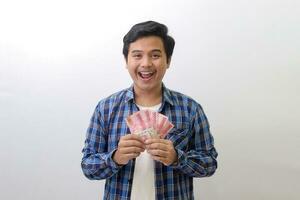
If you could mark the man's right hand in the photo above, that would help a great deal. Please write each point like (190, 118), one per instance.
(130, 146)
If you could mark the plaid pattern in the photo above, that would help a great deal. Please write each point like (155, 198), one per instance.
(191, 138)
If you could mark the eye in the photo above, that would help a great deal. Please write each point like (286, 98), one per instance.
(156, 56)
(137, 56)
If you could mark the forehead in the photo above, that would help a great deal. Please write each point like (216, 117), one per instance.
(148, 43)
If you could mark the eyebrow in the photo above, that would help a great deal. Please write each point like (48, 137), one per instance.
(139, 51)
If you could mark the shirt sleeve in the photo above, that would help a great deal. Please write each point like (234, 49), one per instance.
(199, 160)
(97, 162)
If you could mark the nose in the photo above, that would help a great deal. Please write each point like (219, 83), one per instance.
(146, 61)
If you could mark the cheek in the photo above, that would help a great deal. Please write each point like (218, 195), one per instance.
(132, 65)
(131, 68)
(132, 71)
(162, 71)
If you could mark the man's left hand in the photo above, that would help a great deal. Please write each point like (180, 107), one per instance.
(161, 150)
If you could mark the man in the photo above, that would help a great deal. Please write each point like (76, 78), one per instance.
(154, 168)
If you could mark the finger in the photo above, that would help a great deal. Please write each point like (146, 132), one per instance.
(159, 153)
(165, 161)
(132, 155)
(132, 137)
(127, 157)
(153, 140)
(132, 143)
(159, 146)
(129, 150)
(160, 159)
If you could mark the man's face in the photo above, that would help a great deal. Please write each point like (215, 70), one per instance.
(147, 63)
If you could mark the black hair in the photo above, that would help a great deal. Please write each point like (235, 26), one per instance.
(149, 28)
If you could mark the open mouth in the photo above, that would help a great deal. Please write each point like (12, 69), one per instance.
(146, 75)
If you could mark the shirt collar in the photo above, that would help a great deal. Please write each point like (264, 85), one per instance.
(167, 96)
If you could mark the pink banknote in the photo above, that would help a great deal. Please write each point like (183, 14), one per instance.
(147, 123)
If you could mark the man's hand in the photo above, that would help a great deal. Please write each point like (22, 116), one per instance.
(130, 146)
(161, 150)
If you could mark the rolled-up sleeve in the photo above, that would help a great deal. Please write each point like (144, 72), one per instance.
(97, 162)
(200, 159)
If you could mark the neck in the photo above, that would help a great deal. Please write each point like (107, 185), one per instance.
(148, 98)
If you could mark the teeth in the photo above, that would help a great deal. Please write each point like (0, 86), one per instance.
(146, 73)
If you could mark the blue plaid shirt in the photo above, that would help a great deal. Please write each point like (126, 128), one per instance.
(191, 138)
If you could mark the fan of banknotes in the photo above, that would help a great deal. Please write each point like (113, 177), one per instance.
(147, 123)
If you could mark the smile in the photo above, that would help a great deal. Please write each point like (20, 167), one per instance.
(145, 75)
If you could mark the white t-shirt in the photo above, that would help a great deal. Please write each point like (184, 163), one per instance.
(143, 186)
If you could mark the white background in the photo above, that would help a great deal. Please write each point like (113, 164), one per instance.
(240, 59)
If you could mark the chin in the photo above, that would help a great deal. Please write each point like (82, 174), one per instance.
(148, 87)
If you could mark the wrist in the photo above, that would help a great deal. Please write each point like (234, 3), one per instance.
(115, 157)
(175, 160)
